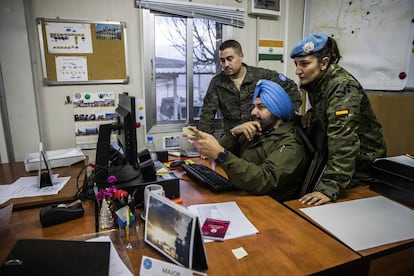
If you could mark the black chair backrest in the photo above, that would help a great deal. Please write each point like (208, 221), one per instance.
(317, 147)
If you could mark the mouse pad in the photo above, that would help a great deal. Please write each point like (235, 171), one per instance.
(57, 257)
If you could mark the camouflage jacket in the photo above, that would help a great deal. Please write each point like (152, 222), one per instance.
(234, 105)
(272, 164)
(342, 109)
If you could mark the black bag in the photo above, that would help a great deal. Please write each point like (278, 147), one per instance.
(394, 179)
(316, 144)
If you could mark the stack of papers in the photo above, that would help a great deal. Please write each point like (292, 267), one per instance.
(239, 225)
(29, 187)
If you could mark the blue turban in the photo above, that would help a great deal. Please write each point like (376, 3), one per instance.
(275, 99)
(310, 44)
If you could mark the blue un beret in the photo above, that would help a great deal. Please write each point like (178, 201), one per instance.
(310, 44)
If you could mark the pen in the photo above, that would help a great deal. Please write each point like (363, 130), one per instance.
(409, 155)
(127, 226)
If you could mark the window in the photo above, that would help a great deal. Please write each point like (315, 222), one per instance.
(181, 57)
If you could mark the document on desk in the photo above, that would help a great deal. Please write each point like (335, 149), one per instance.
(5, 192)
(29, 186)
(365, 223)
(239, 226)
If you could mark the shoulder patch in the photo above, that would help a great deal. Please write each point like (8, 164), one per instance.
(342, 112)
(282, 77)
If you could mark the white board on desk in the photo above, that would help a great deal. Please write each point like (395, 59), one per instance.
(365, 223)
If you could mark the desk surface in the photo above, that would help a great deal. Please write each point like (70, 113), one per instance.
(407, 247)
(286, 243)
(10, 172)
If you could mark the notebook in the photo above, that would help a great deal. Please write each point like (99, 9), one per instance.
(57, 257)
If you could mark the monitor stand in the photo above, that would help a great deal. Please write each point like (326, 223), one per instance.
(134, 182)
(125, 173)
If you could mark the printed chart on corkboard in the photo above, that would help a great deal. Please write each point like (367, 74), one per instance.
(91, 109)
(82, 52)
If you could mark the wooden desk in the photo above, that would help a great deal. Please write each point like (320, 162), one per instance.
(286, 244)
(10, 172)
(389, 259)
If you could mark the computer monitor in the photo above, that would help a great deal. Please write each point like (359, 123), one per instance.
(120, 157)
(127, 132)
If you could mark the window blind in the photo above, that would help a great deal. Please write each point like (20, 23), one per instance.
(225, 15)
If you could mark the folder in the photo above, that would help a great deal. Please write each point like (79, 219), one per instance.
(57, 257)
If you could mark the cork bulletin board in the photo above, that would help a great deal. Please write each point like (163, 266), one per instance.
(82, 52)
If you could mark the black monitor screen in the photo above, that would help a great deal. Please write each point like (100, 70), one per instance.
(127, 131)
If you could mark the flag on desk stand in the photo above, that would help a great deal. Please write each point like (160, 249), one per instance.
(271, 50)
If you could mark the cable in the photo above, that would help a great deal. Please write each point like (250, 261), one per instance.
(80, 193)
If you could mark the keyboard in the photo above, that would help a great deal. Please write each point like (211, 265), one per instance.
(206, 176)
(190, 153)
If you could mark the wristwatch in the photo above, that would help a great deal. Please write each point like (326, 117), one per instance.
(222, 157)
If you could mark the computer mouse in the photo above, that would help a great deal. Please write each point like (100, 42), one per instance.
(176, 163)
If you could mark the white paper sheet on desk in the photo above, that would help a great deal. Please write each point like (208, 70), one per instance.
(29, 186)
(365, 223)
(239, 226)
(6, 191)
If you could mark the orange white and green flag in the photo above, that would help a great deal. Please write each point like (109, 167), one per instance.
(270, 49)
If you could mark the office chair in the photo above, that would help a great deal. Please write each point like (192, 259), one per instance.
(316, 143)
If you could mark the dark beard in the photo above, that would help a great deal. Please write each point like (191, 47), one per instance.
(267, 125)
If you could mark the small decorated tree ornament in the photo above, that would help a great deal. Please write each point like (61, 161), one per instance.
(106, 219)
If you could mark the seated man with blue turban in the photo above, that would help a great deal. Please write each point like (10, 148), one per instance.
(265, 156)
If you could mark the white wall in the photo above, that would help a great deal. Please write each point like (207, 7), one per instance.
(56, 118)
(17, 78)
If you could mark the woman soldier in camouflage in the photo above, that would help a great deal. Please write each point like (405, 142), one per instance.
(341, 108)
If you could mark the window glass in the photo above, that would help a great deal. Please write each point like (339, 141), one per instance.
(180, 85)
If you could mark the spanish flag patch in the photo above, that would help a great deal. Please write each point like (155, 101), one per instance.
(343, 112)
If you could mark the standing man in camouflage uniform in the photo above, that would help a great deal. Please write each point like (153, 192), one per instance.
(341, 108)
(263, 156)
(231, 90)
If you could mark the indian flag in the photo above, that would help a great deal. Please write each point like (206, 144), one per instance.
(270, 49)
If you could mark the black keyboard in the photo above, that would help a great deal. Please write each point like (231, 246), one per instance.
(203, 174)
